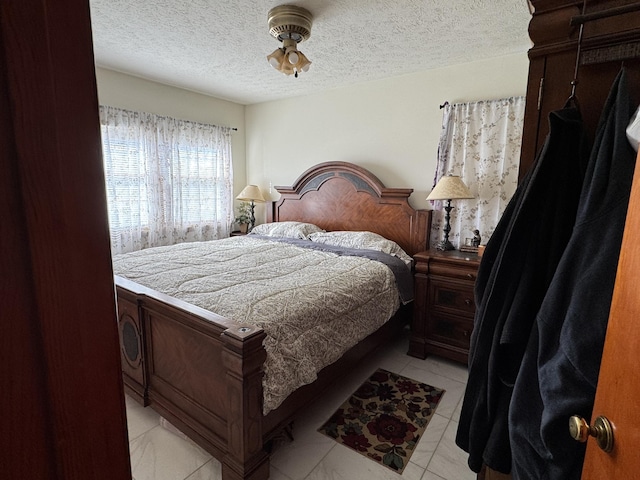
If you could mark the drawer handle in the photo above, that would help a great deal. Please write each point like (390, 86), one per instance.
(467, 301)
(465, 333)
(470, 275)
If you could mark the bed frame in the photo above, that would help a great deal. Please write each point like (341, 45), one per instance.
(203, 372)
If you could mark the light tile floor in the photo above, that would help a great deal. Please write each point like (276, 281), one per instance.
(158, 453)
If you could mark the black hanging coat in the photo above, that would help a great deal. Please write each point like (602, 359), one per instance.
(560, 370)
(516, 269)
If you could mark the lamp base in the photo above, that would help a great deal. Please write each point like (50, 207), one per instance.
(445, 245)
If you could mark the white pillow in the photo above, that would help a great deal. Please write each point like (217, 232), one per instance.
(363, 240)
(286, 229)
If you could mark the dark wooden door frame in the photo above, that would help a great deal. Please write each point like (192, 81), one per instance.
(61, 391)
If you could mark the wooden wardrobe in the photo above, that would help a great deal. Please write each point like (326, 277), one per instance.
(610, 38)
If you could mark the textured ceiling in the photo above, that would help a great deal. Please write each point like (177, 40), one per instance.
(219, 47)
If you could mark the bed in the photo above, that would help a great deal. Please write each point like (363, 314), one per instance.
(204, 372)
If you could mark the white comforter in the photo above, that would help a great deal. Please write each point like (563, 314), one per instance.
(313, 305)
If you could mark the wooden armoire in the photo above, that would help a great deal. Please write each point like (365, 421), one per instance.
(610, 39)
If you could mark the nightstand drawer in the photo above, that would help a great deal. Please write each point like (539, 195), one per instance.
(462, 272)
(451, 295)
(450, 330)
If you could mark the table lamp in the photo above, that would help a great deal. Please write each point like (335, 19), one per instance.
(449, 187)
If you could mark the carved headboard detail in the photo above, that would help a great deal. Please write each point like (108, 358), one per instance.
(344, 196)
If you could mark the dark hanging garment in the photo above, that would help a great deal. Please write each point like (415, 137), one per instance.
(559, 372)
(516, 269)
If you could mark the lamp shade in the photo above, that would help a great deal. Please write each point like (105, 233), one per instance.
(448, 188)
(251, 193)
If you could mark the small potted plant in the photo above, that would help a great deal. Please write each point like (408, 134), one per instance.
(243, 218)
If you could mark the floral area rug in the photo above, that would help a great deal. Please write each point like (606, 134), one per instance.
(385, 418)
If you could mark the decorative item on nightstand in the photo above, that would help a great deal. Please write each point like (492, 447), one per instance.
(243, 218)
(449, 187)
(471, 245)
(251, 194)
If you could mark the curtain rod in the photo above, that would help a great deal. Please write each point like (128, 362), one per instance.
(513, 97)
(610, 12)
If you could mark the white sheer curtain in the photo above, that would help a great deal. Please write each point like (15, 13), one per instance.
(168, 180)
(480, 142)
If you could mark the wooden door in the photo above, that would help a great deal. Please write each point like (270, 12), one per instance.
(61, 393)
(618, 393)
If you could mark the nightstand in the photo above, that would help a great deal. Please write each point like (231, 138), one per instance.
(444, 306)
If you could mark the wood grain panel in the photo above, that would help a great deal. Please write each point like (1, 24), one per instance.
(63, 406)
(186, 361)
(619, 377)
(343, 196)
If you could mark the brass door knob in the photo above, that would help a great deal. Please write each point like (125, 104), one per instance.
(602, 430)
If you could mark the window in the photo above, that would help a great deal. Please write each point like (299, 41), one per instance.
(168, 180)
(480, 142)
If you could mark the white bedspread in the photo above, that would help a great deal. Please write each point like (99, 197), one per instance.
(313, 305)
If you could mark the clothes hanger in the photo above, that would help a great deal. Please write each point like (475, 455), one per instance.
(572, 101)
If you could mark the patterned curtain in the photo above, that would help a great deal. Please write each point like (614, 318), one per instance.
(168, 180)
(480, 142)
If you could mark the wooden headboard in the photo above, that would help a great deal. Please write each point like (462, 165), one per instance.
(344, 196)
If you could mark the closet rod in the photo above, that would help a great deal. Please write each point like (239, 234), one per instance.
(610, 12)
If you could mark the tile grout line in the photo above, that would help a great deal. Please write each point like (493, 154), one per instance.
(450, 419)
(321, 460)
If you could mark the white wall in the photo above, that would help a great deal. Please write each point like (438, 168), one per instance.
(133, 93)
(390, 127)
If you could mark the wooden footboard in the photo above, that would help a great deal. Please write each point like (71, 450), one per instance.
(202, 372)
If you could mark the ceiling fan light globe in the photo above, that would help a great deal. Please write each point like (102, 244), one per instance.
(274, 63)
(303, 63)
(276, 58)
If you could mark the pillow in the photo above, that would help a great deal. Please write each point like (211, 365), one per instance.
(364, 240)
(286, 229)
